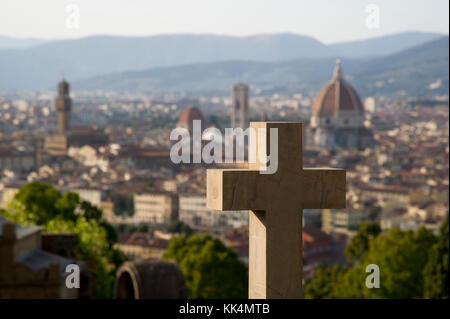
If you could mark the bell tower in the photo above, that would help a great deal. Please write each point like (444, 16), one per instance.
(239, 111)
(63, 105)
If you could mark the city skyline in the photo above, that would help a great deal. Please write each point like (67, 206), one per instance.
(195, 166)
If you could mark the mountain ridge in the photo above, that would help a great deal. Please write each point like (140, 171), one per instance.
(39, 66)
(308, 74)
(376, 46)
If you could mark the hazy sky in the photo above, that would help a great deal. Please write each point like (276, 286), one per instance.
(327, 20)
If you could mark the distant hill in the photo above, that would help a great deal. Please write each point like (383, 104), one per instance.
(33, 64)
(19, 43)
(408, 72)
(383, 45)
(219, 76)
(39, 66)
(412, 70)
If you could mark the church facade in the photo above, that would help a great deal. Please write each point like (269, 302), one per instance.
(337, 119)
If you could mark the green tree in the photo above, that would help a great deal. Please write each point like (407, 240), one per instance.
(322, 284)
(37, 203)
(123, 204)
(41, 204)
(142, 228)
(210, 269)
(93, 247)
(179, 227)
(436, 270)
(401, 257)
(359, 244)
(90, 211)
(65, 205)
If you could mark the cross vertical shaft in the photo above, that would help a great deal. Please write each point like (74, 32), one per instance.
(270, 235)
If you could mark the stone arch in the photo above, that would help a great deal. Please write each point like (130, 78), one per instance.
(127, 282)
(149, 279)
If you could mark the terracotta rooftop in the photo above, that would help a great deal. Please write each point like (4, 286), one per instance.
(314, 234)
(336, 96)
(190, 114)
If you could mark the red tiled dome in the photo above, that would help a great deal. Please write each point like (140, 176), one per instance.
(337, 95)
(190, 114)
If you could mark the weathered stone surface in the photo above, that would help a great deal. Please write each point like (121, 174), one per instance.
(149, 279)
(63, 244)
(276, 202)
(27, 271)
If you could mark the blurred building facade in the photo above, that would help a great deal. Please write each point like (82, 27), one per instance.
(156, 207)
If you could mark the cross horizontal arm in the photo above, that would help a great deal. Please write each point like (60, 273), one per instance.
(322, 188)
(232, 189)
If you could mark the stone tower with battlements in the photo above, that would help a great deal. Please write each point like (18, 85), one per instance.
(63, 106)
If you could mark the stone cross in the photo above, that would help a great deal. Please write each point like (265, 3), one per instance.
(276, 202)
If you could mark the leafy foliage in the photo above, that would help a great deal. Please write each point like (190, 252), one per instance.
(179, 227)
(210, 269)
(123, 204)
(359, 244)
(41, 204)
(436, 270)
(400, 255)
(320, 287)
